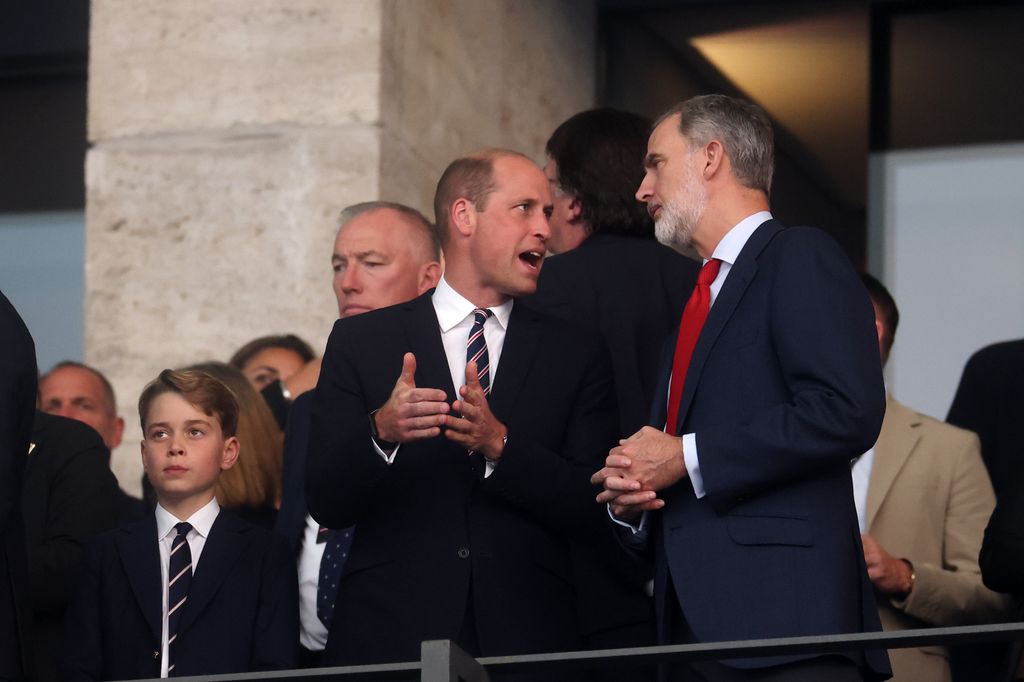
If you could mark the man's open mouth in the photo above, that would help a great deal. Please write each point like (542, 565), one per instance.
(532, 258)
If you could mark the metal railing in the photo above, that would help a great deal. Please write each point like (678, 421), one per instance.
(444, 661)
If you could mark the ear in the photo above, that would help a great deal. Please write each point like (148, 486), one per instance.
(575, 210)
(879, 329)
(430, 273)
(118, 432)
(142, 451)
(462, 216)
(714, 159)
(230, 456)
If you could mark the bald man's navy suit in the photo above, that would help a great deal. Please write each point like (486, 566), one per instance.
(783, 389)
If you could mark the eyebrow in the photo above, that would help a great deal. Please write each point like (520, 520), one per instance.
(188, 422)
(360, 256)
(651, 159)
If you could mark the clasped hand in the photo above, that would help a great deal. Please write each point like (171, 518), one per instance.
(413, 413)
(637, 469)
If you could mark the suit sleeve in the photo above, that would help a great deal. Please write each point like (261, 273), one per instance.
(82, 657)
(83, 501)
(556, 486)
(1002, 551)
(343, 472)
(953, 593)
(820, 325)
(276, 630)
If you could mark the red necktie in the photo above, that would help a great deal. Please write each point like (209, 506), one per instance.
(694, 315)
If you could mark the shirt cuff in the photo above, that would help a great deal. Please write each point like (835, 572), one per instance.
(390, 459)
(636, 529)
(693, 464)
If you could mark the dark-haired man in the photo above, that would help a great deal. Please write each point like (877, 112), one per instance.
(773, 387)
(612, 279)
(457, 432)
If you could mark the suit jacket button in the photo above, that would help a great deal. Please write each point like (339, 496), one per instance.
(463, 553)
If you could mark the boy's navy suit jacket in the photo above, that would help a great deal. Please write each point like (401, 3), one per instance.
(241, 613)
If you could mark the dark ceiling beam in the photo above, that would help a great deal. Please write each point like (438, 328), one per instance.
(690, 60)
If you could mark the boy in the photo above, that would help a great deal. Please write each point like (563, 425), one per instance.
(191, 589)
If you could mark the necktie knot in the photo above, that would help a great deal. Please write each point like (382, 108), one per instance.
(183, 528)
(708, 272)
(480, 315)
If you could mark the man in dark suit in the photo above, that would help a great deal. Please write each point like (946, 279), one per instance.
(17, 407)
(80, 392)
(69, 495)
(990, 402)
(458, 432)
(612, 279)
(775, 385)
(384, 253)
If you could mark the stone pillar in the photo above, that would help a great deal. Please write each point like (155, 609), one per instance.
(228, 134)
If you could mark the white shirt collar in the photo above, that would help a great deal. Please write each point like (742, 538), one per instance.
(202, 520)
(728, 250)
(452, 308)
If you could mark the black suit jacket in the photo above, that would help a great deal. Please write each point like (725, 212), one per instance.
(17, 408)
(784, 388)
(434, 534)
(69, 495)
(990, 402)
(630, 293)
(241, 614)
(291, 518)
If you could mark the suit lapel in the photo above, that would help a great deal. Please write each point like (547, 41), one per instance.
(221, 551)
(736, 283)
(140, 557)
(517, 355)
(423, 334)
(896, 441)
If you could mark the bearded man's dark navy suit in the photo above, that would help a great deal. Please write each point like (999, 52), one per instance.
(783, 389)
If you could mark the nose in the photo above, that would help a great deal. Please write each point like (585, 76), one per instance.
(542, 227)
(176, 446)
(644, 192)
(351, 280)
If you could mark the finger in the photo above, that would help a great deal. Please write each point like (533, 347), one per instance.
(423, 408)
(472, 378)
(634, 510)
(616, 460)
(471, 395)
(419, 423)
(420, 434)
(455, 422)
(466, 440)
(627, 498)
(421, 395)
(408, 375)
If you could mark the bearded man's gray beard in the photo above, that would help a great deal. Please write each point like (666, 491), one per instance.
(677, 221)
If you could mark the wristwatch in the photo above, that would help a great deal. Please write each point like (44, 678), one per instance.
(385, 445)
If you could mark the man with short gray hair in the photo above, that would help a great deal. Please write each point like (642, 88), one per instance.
(384, 253)
(773, 387)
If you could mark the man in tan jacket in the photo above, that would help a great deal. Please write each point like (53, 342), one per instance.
(923, 498)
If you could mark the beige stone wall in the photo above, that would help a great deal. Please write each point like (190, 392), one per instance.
(227, 135)
(458, 75)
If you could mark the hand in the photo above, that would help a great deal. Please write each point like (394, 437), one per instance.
(888, 574)
(624, 495)
(477, 429)
(655, 458)
(411, 413)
